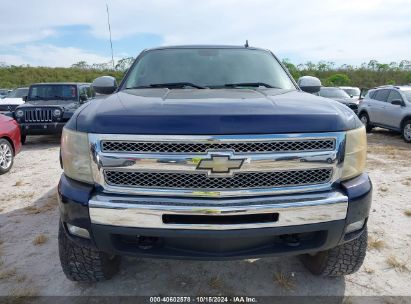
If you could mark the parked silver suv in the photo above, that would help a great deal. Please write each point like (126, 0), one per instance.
(388, 107)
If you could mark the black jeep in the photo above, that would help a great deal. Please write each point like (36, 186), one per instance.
(49, 106)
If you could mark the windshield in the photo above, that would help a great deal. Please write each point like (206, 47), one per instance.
(333, 93)
(18, 93)
(407, 95)
(64, 93)
(210, 68)
(353, 91)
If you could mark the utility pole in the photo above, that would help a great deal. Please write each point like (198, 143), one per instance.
(109, 30)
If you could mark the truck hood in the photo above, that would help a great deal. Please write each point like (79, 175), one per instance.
(66, 106)
(212, 112)
(11, 101)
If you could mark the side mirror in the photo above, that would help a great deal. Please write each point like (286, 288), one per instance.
(24, 98)
(104, 85)
(397, 102)
(309, 84)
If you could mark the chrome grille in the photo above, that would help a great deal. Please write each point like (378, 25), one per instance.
(38, 115)
(305, 145)
(244, 180)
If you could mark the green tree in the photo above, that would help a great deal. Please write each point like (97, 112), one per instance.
(291, 68)
(339, 80)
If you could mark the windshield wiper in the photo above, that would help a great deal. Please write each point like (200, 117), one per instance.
(248, 84)
(169, 85)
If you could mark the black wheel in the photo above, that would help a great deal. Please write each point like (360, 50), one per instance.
(366, 121)
(6, 156)
(406, 131)
(23, 139)
(342, 260)
(83, 264)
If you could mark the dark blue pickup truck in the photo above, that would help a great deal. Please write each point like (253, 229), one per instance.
(212, 153)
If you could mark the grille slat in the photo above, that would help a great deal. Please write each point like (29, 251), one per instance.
(38, 115)
(305, 145)
(243, 180)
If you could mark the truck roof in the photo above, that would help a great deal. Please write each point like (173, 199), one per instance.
(211, 46)
(61, 83)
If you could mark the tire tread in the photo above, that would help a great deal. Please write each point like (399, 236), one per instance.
(342, 260)
(83, 264)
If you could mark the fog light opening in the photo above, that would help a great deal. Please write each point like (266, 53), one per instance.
(355, 226)
(77, 231)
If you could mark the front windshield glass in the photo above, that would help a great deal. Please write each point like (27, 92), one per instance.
(64, 93)
(18, 93)
(353, 91)
(407, 95)
(212, 68)
(333, 93)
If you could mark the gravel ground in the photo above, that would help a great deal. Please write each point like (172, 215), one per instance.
(29, 263)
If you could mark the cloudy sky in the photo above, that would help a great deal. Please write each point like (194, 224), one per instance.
(60, 33)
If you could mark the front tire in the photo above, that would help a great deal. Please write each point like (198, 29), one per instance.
(366, 121)
(342, 260)
(6, 156)
(406, 131)
(84, 264)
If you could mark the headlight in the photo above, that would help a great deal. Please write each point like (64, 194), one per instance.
(75, 155)
(57, 112)
(355, 153)
(19, 113)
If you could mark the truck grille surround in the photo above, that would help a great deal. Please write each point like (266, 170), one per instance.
(170, 165)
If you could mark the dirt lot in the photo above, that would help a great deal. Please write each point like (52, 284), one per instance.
(29, 263)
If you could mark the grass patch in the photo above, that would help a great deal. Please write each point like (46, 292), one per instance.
(216, 283)
(398, 265)
(22, 292)
(19, 183)
(376, 244)
(284, 280)
(40, 240)
(406, 183)
(21, 278)
(383, 188)
(31, 210)
(50, 204)
(7, 274)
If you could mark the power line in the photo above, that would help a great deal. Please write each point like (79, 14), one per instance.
(109, 29)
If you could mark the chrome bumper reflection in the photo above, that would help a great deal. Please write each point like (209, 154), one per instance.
(145, 212)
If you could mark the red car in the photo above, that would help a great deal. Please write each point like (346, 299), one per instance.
(10, 142)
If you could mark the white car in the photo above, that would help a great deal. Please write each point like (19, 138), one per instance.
(354, 92)
(13, 100)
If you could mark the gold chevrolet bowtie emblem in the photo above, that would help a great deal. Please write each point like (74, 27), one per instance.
(218, 164)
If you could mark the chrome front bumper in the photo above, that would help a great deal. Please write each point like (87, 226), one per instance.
(148, 212)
